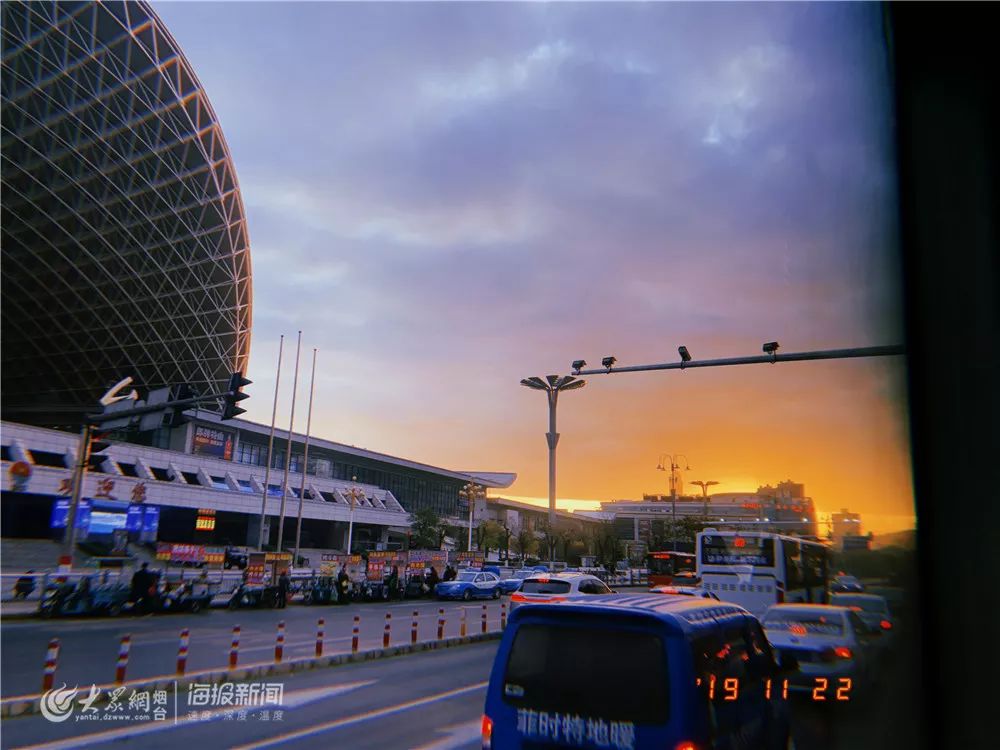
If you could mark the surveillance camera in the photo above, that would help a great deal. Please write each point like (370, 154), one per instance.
(579, 364)
(685, 354)
(608, 362)
(770, 347)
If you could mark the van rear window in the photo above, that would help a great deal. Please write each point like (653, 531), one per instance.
(545, 587)
(570, 669)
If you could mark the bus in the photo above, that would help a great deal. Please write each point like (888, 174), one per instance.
(756, 569)
(664, 566)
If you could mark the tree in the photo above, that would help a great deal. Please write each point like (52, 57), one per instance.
(608, 547)
(489, 535)
(525, 543)
(507, 534)
(426, 526)
(549, 539)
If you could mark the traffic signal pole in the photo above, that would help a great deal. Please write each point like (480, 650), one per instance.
(87, 435)
(772, 358)
(83, 459)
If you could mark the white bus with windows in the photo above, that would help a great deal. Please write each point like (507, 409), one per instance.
(756, 569)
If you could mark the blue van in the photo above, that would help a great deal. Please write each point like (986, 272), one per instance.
(635, 672)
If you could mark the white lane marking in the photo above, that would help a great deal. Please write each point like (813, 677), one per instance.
(297, 644)
(456, 736)
(359, 718)
(291, 700)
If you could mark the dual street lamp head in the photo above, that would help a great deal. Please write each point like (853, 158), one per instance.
(554, 383)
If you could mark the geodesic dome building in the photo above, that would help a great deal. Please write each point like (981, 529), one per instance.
(124, 240)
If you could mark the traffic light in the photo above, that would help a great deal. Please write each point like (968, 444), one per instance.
(98, 446)
(234, 395)
(95, 449)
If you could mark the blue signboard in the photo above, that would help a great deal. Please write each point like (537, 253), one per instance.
(60, 512)
(150, 522)
(151, 518)
(133, 521)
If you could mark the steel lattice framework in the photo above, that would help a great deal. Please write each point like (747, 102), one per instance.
(125, 248)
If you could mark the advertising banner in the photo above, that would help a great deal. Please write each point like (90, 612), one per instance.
(380, 563)
(211, 442)
(471, 559)
(215, 556)
(255, 569)
(355, 565)
(421, 559)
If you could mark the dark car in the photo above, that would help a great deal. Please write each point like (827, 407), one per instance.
(705, 679)
(843, 583)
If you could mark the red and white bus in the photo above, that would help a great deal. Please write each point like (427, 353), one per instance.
(664, 566)
(756, 569)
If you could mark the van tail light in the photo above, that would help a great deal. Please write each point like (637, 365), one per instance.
(517, 598)
(885, 625)
(486, 730)
(686, 745)
(843, 652)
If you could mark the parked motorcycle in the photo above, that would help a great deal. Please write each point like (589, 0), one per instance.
(25, 586)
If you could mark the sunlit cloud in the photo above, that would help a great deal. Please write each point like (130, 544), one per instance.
(448, 197)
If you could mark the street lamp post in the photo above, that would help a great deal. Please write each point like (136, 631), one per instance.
(704, 490)
(355, 493)
(552, 385)
(673, 466)
(472, 492)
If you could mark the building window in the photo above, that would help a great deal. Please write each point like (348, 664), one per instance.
(250, 454)
(160, 438)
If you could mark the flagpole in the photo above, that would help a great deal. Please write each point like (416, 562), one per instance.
(305, 460)
(270, 447)
(288, 451)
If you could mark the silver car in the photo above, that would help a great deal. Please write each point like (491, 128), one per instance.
(832, 645)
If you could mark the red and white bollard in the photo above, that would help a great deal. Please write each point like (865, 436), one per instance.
(484, 618)
(182, 652)
(123, 650)
(319, 637)
(234, 649)
(462, 631)
(503, 615)
(413, 628)
(440, 624)
(355, 634)
(388, 627)
(279, 644)
(51, 659)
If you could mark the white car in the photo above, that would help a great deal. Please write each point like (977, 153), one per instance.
(832, 646)
(556, 587)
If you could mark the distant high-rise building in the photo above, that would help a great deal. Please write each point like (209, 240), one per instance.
(845, 523)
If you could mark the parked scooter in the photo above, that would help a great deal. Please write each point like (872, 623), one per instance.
(25, 586)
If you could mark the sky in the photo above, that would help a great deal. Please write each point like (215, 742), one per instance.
(448, 197)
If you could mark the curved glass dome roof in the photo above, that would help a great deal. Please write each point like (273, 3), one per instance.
(125, 249)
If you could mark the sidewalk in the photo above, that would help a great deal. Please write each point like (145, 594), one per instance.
(18, 610)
